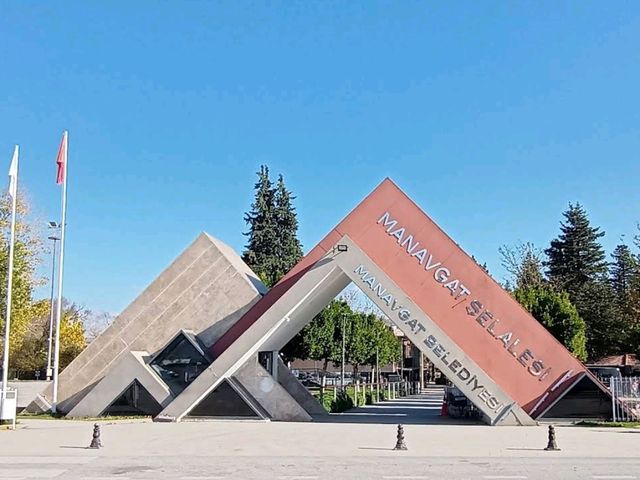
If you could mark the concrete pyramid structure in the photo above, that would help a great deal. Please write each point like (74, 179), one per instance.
(205, 290)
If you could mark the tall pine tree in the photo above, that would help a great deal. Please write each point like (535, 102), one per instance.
(576, 263)
(261, 250)
(624, 271)
(576, 256)
(625, 282)
(289, 249)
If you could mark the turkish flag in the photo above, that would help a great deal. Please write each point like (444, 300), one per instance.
(61, 161)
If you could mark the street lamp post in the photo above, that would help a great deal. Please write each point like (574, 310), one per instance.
(343, 355)
(53, 226)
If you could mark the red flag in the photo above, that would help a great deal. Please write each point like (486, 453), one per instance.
(61, 161)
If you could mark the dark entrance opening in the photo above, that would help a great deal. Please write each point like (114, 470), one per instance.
(583, 400)
(135, 400)
(224, 401)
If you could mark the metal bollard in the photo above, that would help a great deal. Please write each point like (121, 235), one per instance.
(400, 445)
(95, 441)
(551, 444)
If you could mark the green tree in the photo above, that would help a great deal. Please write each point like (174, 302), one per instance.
(27, 250)
(289, 249)
(625, 283)
(555, 311)
(624, 268)
(33, 352)
(576, 263)
(273, 247)
(386, 348)
(320, 335)
(261, 250)
(576, 257)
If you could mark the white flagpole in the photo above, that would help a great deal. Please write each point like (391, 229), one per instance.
(13, 190)
(56, 356)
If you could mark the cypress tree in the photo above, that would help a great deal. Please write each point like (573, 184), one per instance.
(273, 247)
(261, 250)
(289, 249)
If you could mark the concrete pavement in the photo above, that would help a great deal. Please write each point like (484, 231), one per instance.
(312, 451)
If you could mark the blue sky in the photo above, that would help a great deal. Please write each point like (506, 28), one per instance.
(492, 116)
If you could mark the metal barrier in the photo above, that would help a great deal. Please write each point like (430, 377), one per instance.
(625, 395)
(377, 391)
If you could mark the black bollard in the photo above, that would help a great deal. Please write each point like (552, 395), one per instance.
(551, 444)
(95, 441)
(400, 445)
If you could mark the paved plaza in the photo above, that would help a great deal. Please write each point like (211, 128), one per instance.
(353, 445)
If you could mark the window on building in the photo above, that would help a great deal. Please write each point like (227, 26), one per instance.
(179, 363)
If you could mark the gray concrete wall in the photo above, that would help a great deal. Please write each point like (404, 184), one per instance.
(205, 285)
(298, 391)
(282, 320)
(271, 396)
(28, 390)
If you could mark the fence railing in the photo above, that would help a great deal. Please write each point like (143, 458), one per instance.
(625, 393)
(363, 393)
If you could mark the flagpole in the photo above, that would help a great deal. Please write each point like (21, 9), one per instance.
(56, 356)
(7, 324)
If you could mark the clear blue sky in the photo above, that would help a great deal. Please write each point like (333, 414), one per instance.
(492, 116)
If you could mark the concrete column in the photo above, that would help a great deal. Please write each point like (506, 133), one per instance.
(274, 364)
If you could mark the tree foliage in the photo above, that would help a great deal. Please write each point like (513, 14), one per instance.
(576, 263)
(27, 250)
(555, 311)
(260, 252)
(576, 257)
(289, 249)
(33, 352)
(366, 338)
(28, 342)
(273, 247)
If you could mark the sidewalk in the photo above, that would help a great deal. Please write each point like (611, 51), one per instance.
(238, 438)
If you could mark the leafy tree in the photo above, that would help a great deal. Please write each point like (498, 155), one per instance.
(555, 311)
(524, 264)
(27, 249)
(261, 250)
(387, 345)
(320, 334)
(33, 352)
